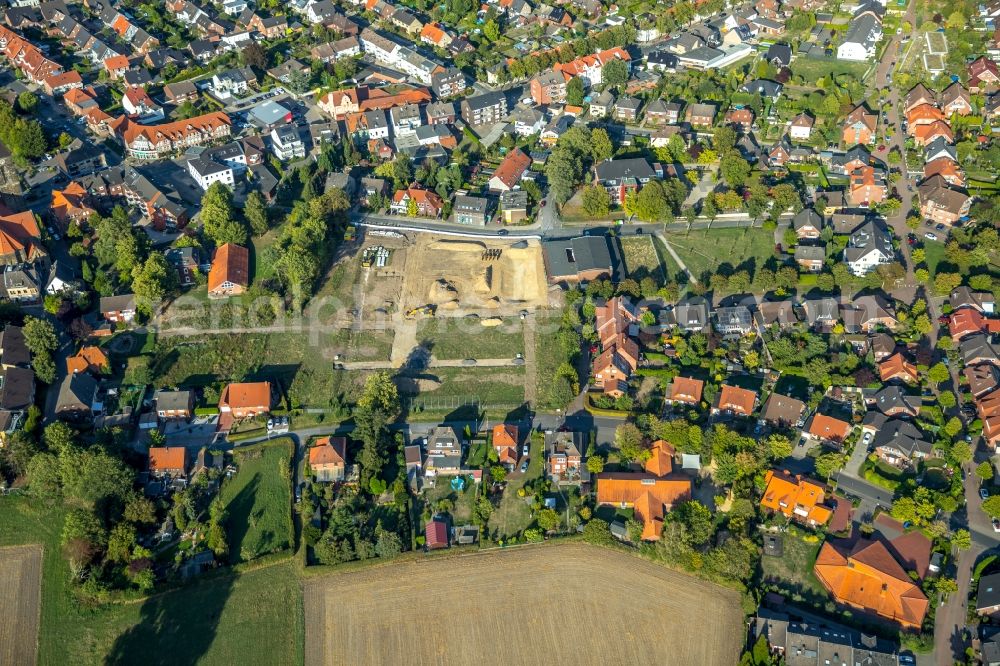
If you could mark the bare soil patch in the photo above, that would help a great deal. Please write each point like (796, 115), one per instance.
(20, 598)
(567, 603)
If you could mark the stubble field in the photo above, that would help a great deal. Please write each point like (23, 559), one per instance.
(567, 604)
(20, 597)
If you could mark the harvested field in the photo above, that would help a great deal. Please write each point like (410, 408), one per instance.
(20, 597)
(567, 603)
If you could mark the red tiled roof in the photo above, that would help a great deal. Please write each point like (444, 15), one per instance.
(230, 264)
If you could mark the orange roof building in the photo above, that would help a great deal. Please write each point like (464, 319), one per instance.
(865, 575)
(898, 367)
(88, 359)
(828, 428)
(246, 399)
(154, 141)
(686, 390)
(70, 204)
(947, 168)
(796, 498)
(505, 436)
(923, 114)
(230, 272)
(168, 461)
(651, 493)
(20, 239)
(509, 173)
(735, 400)
(328, 458)
(924, 134)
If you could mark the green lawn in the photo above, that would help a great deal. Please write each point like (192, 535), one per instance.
(933, 255)
(456, 338)
(259, 501)
(704, 250)
(513, 515)
(548, 356)
(811, 69)
(671, 267)
(498, 389)
(262, 259)
(301, 362)
(793, 571)
(641, 257)
(218, 619)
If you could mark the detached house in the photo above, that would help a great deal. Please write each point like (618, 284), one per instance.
(983, 75)
(328, 459)
(735, 401)
(508, 175)
(870, 246)
(505, 439)
(168, 462)
(230, 272)
(242, 400)
(685, 391)
(425, 202)
(859, 126)
(619, 177)
(796, 498)
(898, 367)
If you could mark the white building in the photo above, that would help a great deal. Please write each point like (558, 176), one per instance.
(405, 119)
(861, 39)
(286, 143)
(206, 171)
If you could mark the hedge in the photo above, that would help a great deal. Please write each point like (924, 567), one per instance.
(206, 411)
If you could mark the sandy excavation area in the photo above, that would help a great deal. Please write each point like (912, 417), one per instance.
(450, 274)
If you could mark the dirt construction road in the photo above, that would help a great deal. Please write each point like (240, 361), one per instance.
(563, 604)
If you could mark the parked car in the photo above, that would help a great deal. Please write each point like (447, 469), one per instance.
(996, 524)
(930, 235)
(524, 450)
(524, 467)
(866, 440)
(983, 493)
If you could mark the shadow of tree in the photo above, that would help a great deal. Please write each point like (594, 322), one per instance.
(239, 517)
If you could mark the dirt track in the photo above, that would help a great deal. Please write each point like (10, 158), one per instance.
(20, 599)
(565, 604)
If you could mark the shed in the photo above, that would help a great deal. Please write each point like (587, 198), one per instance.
(436, 535)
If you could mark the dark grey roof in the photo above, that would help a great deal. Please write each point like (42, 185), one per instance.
(616, 170)
(807, 217)
(903, 436)
(13, 349)
(782, 53)
(870, 237)
(989, 591)
(893, 397)
(77, 390)
(17, 388)
(570, 256)
(118, 303)
(821, 310)
(173, 400)
(691, 313)
(977, 348)
(485, 101)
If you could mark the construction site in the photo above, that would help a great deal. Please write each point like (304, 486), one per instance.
(422, 274)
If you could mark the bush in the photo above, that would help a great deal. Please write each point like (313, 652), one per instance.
(206, 411)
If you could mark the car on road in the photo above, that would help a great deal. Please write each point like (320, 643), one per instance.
(907, 660)
(996, 524)
(524, 467)
(940, 227)
(983, 493)
(524, 450)
(866, 440)
(503, 232)
(930, 235)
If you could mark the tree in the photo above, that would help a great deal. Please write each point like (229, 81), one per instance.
(596, 202)
(44, 477)
(255, 211)
(961, 539)
(387, 544)
(217, 216)
(828, 463)
(27, 102)
(938, 373)
(254, 55)
(947, 399)
(121, 541)
(575, 91)
(40, 337)
(985, 471)
(499, 473)
(960, 452)
(595, 464)
(548, 520)
(615, 73)
(735, 170)
(698, 521)
(628, 440)
(491, 31)
(601, 147)
(991, 505)
(723, 140)
(598, 532)
(377, 407)
(151, 282)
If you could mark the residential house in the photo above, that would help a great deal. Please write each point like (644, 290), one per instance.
(867, 313)
(601, 104)
(859, 126)
(946, 168)
(685, 391)
(286, 143)
(900, 443)
(870, 246)
(242, 400)
(174, 404)
(70, 205)
(893, 401)
(807, 224)
(76, 397)
(735, 401)
(800, 127)
(168, 462)
(964, 297)
(486, 109)
(230, 272)
(180, 92)
(564, 460)
(471, 210)
(810, 257)
(513, 206)
(825, 428)
(741, 118)
(548, 88)
(155, 141)
(443, 452)
(691, 314)
(940, 202)
(983, 75)
(955, 99)
(782, 411)
(89, 359)
(650, 493)
(508, 175)
(621, 176)
(796, 498)
(899, 367)
(590, 68)
(626, 109)
(861, 39)
(425, 203)
(118, 309)
(701, 114)
(865, 575)
(867, 186)
(821, 312)
(733, 321)
(328, 459)
(505, 443)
